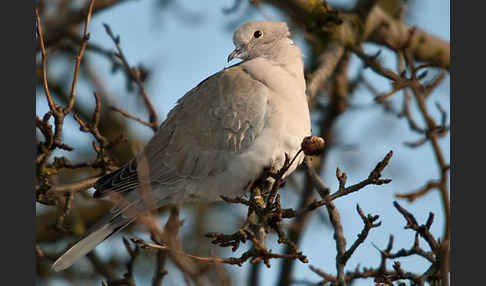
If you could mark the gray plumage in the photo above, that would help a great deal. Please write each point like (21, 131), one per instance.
(220, 135)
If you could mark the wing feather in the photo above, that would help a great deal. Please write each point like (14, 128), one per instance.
(217, 119)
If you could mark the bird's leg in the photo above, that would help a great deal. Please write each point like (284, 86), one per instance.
(256, 195)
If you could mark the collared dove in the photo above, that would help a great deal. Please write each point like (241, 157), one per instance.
(219, 137)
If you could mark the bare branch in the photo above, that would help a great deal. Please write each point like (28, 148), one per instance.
(79, 57)
(135, 76)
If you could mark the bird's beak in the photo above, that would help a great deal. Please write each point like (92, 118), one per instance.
(234, 54)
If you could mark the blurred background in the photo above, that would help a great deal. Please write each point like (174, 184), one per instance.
(177, 44)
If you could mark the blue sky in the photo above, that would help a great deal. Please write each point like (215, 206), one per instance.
(180, 55)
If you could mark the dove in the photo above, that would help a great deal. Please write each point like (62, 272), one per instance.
(219, 137)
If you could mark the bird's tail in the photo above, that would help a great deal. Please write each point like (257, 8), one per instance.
(108, 226)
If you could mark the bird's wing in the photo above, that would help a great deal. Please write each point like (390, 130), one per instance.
(217, 119)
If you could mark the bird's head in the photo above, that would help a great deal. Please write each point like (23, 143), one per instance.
(258, 38)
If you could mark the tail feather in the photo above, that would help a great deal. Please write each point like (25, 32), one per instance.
(101, 231)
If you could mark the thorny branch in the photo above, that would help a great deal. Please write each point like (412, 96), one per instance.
(386, 276)
(342, 254)
(432, 132)
(265, 215)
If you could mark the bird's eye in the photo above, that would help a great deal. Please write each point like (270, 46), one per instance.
(257, 34)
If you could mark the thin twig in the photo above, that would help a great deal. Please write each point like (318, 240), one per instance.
(51, 103)
(79, 57)
(128, 115)
(135, 76)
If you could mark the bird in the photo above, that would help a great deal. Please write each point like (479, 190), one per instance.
(219, 137)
